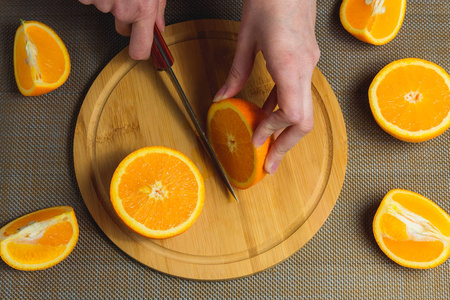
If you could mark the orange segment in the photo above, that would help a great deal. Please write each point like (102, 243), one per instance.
(410, 99)
(230, 127)
(158, 192)
(32, 254)
(41, 60)
(39, 240)
(46, 214)
(373, 21)
(412, 230)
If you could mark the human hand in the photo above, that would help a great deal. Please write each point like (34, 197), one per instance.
(284, 32)
(135, 18)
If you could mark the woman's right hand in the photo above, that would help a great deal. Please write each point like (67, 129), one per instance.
(135, 18)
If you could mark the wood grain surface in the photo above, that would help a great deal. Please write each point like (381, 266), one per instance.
(131, 105)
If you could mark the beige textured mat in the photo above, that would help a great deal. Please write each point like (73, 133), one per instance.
(341, 261)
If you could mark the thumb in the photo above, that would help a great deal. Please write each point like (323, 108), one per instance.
(240, 69)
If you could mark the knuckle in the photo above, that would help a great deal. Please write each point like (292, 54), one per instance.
(315, 54)
(295, 117)
(311, 57)
(234, 72)
(120, 12)
(124, 12)
(268, 129)
(306, 125)
(278, 120)
(279, 152)
(102, 8)
(145, 9)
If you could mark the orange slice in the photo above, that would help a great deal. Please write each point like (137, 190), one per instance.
(230, 127)
(41, 60)
(39, 240)
(410, 99)
(412, 230)
(158, 192)
(373, 21)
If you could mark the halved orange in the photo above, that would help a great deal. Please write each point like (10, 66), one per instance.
(39, 240)
(410, 99)
(230, 126)
(41, 60)
(412, 230)
(158, 192)
(373, 21)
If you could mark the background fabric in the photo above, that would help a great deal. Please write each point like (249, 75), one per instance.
(341, 261)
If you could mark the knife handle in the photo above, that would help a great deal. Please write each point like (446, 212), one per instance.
(158, 53)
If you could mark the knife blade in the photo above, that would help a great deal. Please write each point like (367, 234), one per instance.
(163, 60)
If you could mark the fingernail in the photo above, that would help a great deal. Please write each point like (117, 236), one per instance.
(220, 94)
(273, 168)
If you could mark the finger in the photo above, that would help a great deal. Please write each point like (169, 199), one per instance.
(287, 96)
(141, 39)
(271, 101)
(287, 139)
(277, 133)
(104, 6)
(86, 2)
(160, 16)
(241, 68)
(274, 121)
(123, 28)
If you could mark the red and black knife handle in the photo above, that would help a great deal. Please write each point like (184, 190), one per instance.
(159, 50)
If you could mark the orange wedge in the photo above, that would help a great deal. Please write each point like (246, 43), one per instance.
(412, 230)
(39, 240)
(158, 192)
(230, 126)
(41, 60)
(373, 21)
(410, 99)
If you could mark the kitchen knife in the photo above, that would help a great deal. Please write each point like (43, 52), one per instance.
(163, 60)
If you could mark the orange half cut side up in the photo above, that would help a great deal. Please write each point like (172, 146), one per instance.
(410, 99)
(158, 192)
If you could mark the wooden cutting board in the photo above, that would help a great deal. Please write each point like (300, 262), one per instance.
(131, 105)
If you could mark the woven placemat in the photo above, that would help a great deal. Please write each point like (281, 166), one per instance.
(341, 261)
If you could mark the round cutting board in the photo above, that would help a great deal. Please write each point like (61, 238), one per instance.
(131, 105)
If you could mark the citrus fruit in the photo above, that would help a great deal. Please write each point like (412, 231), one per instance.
(412, 230)
(41, 60)
(373, 21)
(230, 126)
(158, 192)
(410, 99)
(39, 240)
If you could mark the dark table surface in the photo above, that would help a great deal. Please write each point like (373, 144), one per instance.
(341, 261)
